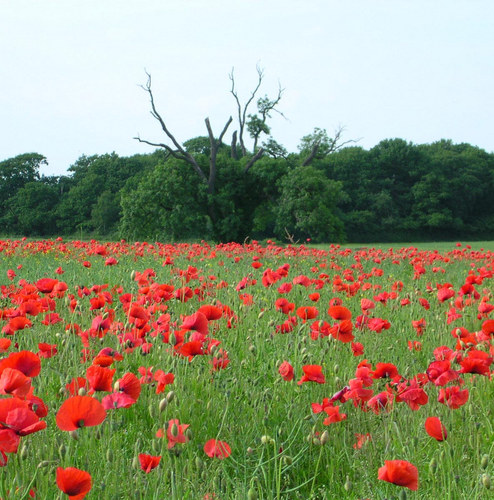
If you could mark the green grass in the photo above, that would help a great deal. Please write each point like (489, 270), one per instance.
(273, 434)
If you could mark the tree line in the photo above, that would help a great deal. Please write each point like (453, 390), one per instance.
(394, 191)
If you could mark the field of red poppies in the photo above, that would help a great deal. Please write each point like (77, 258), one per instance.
(192, 371)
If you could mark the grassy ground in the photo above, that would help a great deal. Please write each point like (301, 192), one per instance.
(277, 444)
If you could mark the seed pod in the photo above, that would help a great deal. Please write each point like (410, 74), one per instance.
(484, 462)
(348, 484)
(250, 450)
(486, 481)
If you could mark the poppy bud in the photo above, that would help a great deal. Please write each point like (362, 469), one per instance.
(170, 396)
(109, 455)
(24, 452)
(484, 461)
(82, 391)
(288, 460)
(116, 386)
(324, 437)
(135, 463)
(188, 433)
(172, 340)
(403, 495)
(433, 465)
(486, 481)
(250, 450)
(271, 323)
(73, 434)
(252, 494)
(252, 349)
(174, 430)
(348, 485)
(336, 368)
(261, 314)
(163, 405)
(44, 463)
(337, 381)
(199, 464)
(132, 275)
(316, 441)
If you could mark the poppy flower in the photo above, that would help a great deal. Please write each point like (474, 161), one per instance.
(453, 397)
(174, 433)
(14, 382)
(163, 380)
(286, 371)
(17, 417)
(333, 415)
(197, 321)
(435, 428)
(218, 449)
(46, 285)
(26, 362)
(100, 378)
(401, 473)
(211, 312)
(129, 384)
(148, 462)
(80, 411)
(339, 312)
(312, 373)
(74, 482)
(306, 313)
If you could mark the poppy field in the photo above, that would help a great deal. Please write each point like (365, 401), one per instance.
(197, 371)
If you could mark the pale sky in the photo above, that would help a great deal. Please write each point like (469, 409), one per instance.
(70, 70)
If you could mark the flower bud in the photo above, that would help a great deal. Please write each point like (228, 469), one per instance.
(348, 484)
(163, 405)
(486, 481)
(324, 437)
(484, 462)
(170, 396)
(174, 430)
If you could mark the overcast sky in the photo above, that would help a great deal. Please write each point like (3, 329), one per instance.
(70, 70)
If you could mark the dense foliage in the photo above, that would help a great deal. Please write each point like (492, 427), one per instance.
(395, 191)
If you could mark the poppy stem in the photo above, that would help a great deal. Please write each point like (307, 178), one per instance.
(316, 471)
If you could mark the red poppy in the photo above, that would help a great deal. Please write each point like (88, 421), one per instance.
(148, 462)
(163, 380)
(16, 417)
(46, 350)
(339, 312)
(117, 400)
(400, 472)
(16, 324)
(174, 433)
(129, 384)
(306, 313)
(312, 373)
(46, 285)
(211, 312)
(25, 361)
(74, 482)
(197, 321)
(435, 428)
(218, 449)
(453, 397)
(100, 378)
(80, 411)
(334, 415)
(361, 440)
(14, 382)
(286, 371)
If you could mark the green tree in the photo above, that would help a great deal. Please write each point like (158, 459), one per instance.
(307, 207)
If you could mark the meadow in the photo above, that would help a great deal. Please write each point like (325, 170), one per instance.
(197, 371)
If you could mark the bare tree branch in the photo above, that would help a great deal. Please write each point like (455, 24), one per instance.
(242, 113)
(180, 151)
(225, 128)
(253, 160)
(234, 153)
